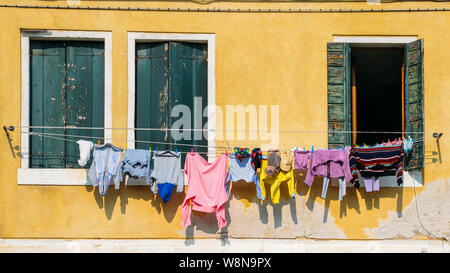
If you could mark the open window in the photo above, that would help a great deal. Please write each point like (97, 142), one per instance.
(378, 90)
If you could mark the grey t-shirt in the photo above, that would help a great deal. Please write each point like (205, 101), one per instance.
(167, 169)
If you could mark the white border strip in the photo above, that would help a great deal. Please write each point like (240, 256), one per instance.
(26, 35)
(374, 39)
(227, 245)
(134, 37)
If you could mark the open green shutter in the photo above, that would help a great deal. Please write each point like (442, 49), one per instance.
(339, 95)
(414, 103)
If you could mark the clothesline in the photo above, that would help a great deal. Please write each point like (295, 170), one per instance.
(59, 137)
(217, 130)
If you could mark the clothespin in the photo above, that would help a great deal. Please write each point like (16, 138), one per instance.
(176, 150)
(343, 149)
(150, 149)
(304, 149)
(296, 148)
(312, 149)
(365, 145)
(98, 143)
(125, 146)
(389, 143)
(156, 148)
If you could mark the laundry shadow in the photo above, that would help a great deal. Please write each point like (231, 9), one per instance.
(206, 223)
(106, 202)
(277, 209)
(137, 192)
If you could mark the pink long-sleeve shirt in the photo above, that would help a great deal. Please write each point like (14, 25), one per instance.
(206, 187)
(330, 163)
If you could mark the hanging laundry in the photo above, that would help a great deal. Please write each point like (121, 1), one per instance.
(329, 164)
(301, 159)
(374, 162)
(105, 166)
(243, 170)
(408, 144)
(166, 174)
(206, 187)
(85, 148)
(372, 183)
(256, 158)
(241, 153)
(275, 181)
(136, 164)
(273, 162)
(286, 161)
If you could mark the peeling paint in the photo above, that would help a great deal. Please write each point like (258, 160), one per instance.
(434, 208)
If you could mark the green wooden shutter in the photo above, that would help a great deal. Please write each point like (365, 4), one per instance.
(84, 94)
(67, 89)
(168, 74)
(47, 82)
(188, 82)
(339, 95)
(152, 92)
(414, 102)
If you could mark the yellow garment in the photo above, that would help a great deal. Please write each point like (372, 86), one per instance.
(286, 161)
(275, 182)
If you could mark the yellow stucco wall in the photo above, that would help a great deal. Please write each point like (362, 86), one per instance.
(261, 58)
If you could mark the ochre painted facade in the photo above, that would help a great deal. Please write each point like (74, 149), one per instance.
(261, 58)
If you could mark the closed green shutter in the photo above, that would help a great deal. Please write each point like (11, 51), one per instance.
(169, 74)
(188, 86)
(152, 91)
(339, 95)
(414, 102)
(67, 89)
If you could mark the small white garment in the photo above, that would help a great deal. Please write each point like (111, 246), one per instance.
(342, 187)
(85, 151)
(326, 181)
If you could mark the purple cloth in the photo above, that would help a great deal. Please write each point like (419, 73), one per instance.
(301, 159)
(372, 183)
(329, 163)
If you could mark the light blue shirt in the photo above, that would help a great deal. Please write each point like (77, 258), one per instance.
(243, 170)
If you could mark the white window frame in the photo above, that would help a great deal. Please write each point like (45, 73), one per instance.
(410, 178)
(62, 176)
(135, 37)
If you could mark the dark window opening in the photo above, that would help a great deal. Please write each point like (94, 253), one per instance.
(379, 88)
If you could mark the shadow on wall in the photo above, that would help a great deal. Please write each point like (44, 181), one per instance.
(109, 201)
(350, 200)
(246, 192)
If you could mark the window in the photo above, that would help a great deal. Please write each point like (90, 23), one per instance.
(376, 89)
(66, 89)
(170, 74)
(55, 53)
